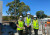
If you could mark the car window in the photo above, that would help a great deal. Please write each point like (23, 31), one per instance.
(48, 20)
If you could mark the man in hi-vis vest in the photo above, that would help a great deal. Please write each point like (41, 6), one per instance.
(20, 26)
(35, 25)
(28, 24)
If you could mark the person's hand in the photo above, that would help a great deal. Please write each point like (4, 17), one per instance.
(27, 26)
(23, 27)
(20, 28)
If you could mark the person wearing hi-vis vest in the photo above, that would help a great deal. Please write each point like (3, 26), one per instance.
(28, 24)
(20, 26)
(35, 25)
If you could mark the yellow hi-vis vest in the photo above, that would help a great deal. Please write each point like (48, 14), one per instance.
(20, 23)
(35, 24)
(28, 20)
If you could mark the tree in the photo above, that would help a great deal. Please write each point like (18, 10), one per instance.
(40, 14)
(31, 16)
(5, 18)
(21, 8)
(8, 18)
(48, 16)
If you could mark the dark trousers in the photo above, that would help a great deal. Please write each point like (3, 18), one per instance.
(28, 30)
(20, 32)
(36, 31)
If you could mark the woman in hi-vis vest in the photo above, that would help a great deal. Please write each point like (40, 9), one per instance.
(20, 26)
(35, 25)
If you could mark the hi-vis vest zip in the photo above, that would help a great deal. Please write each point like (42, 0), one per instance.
(28, 20)
(20, 23)
(35, 24)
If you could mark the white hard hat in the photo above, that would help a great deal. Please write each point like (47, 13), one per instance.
(28, 13)
(20, 16)
(34, 16)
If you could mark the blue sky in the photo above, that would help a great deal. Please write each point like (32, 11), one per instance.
(35, 5)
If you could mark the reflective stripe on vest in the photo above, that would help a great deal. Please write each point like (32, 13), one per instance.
(20, 23)
(28, 20)
(35, 24)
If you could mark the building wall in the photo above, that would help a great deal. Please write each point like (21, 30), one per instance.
(1, 11)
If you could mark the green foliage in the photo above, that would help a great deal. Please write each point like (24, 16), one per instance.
(31, 16)
(8, 18)
(40, 14)
(5, 18)
(48, 16)
(21, 8)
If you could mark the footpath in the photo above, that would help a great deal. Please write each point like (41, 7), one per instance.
(39, 32)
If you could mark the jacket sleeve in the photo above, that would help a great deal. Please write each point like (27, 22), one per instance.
(24, 22)
(30, 23)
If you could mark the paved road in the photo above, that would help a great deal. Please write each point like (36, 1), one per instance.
(40, 33)
(32, 34)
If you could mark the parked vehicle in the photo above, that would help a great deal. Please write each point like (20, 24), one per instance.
(0, 28)
(8, 29)
(48, 22)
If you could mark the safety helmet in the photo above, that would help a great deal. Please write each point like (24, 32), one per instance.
(34, 16)
(20, 16)
(28, 13)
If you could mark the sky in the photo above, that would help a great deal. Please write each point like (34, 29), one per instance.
(35, 5)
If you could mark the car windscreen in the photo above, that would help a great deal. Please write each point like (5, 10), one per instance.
(48, 20)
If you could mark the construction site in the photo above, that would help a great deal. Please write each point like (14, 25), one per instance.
(9, 25)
